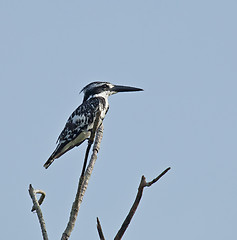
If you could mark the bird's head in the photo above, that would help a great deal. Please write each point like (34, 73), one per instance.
(105, 89)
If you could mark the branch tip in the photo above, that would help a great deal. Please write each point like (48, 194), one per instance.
(133, 209)
(148, 184)
(99, 229)
(36, 206)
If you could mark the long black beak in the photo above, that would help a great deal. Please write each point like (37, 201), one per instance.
(118, 88)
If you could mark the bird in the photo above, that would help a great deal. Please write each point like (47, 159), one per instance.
(79, 125)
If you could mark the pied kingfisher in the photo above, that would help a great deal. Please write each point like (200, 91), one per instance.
(80, 124)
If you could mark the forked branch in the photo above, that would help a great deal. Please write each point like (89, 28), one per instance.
(133, 209)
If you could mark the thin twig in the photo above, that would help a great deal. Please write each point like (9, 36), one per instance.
(36, 206)
(41, 199)
(83, 182)
(133, 209)
(158, 177)
(99, 229)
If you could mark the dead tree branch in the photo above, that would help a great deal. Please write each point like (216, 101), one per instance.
(99, 229)
(82, 186)
(41, 199)
(36, 206)
(91, 140)
(85, 176)
(133, 209)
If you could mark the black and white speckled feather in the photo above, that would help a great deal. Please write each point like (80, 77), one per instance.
(82, 119)
(80, 124)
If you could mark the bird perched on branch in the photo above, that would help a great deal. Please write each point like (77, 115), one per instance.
(80, 124)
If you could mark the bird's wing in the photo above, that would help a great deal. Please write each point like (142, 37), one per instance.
(77, 128)
(81, 119)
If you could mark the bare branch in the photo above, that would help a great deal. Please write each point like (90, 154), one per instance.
(36, 206)
(91, 140)
(133, 209)
(99, 229)
(42, 197)
(157, 178)
(83, 183)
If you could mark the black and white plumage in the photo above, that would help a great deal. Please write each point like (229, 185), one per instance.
(80, 124)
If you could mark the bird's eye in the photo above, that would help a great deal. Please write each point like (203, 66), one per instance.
(104, 86)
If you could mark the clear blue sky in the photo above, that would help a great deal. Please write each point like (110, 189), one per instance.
(183, 54)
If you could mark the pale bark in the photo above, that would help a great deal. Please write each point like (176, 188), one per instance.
(36, 206)
(82, 186)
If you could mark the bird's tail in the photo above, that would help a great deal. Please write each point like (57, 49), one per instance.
(53, 156)
(63, 148)
(59, 151)
(49, 162)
